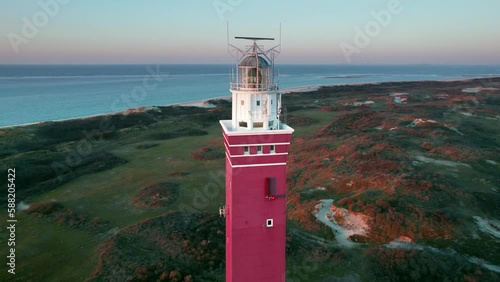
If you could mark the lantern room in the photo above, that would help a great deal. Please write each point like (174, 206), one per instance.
(255, 72)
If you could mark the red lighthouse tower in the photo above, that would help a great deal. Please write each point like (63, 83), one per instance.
(257, 144)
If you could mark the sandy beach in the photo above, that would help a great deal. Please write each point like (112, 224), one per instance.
(204, 103)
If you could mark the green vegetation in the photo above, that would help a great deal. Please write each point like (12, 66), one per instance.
(173, 247)
(157, 195)
(55, 212)
(135, 197)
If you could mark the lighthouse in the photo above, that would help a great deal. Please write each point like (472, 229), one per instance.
(257, 144)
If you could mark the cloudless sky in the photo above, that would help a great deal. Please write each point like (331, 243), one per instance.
(194, 31)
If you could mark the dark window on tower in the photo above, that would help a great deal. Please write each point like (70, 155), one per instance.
(246, 151)
(272, 149)
(271, 187)
(259, 149)
(258, 103)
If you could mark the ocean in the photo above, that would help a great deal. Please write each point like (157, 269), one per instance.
(35, 93)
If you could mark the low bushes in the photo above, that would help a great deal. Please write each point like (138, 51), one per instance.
(157, 195)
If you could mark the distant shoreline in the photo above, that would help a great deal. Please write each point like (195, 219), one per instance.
(203, 103)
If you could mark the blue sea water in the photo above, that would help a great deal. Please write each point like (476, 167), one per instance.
(34, 93)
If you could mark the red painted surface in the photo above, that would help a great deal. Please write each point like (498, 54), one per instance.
(258, 159)
(255, 252)
(238, 150)
(254, 138)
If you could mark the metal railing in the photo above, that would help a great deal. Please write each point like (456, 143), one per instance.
(252, 87)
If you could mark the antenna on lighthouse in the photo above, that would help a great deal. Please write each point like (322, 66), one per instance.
(280, 37)
(253, 38)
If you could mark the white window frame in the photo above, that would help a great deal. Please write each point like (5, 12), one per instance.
(269, 222)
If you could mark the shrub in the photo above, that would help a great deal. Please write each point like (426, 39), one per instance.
(167, 247)
(147, 146)
(299, 121)
(56, 212)
(363, 119)
(206, 154)
(157, 195)
(44, 208)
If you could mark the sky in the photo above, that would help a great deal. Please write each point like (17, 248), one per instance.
(194, 31)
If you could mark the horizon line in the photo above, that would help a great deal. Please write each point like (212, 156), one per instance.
(231, 63)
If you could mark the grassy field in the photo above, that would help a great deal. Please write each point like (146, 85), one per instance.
(58, 253)
(427, 182)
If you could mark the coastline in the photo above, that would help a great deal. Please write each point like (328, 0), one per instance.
(203, 103)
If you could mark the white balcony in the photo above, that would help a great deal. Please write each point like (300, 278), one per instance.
(252, 87)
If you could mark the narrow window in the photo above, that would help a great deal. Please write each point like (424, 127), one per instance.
(242, 102)
(258, 103)
(271, 188)
(258, 124)
(272, 149)
(259, 149)
(246, 151)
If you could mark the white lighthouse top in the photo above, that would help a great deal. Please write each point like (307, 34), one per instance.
(256, 100)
